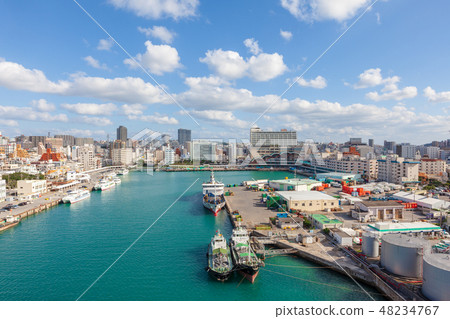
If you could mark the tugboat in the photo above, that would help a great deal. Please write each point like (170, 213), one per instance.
(244, 258)
(220, 263)
(213, 198)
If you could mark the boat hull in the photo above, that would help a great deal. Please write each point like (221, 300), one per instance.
(214, 208)
(249, 273)
(76, 200)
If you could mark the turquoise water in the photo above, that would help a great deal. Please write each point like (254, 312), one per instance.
(58, 254)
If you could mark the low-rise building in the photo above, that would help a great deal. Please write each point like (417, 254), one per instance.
(290, 222)
(308, 201)
(342, 238)
(366, 211)
(422, 201)
(321, 222)
(294, 184)
(29, 189)
(397, 170)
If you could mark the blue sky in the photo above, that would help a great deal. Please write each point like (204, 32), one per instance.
(225, 63)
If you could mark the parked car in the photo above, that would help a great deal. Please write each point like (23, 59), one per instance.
(23, 204)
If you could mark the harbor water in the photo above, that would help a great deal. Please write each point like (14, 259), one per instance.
(58, 254)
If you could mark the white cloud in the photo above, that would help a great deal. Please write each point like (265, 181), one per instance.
(318, 83)
(222, 118)
(230, 65)
(155, 118)
(390, 91)
(253, 46)
(91, 108)
(43, 105)
(95, 63)
(318, 10)
(155, 9)
(97, 121)
(28, 114)
(432, 96)
(129, 90)
(264, 67)
(287, 35)
(394, 94)
(8, 122)
(133, 109)
(158, 59)
(158, 32)
(105, 44)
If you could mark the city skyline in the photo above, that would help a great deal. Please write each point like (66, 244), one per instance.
(377, 82)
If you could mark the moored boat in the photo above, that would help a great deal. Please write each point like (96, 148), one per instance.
(76, 196)
(213, 197)
(220, 263)
(123, 171)
(104, 184)
(244, 257)
(117, 180)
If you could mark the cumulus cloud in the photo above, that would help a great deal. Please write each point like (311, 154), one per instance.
(158, 59)
(156, 9)
(432, 96)
(319, 10)
(252, 46)
(128, 90)
(28, 114)
(230, 65)
(287, 35)
(222, 118)
(91, 108)
(133, 109)
(8, 122)
(159, 32)
(318, 83)
(43, 105)
(105, 44)
(390, 91)
(95, 63)
(97, 121)
(155, 118)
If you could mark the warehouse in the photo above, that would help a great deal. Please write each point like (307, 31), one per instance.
(422, 201)
(382, 228)
(377, 210)
(294, 184)
(308, 201)
(337, 176)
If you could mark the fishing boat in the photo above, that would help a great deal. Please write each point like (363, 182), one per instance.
(213, 197)
(220, 264)
(244, 257)
(117, 180)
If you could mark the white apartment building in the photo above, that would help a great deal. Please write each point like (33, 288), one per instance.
(432, 151)
(169, 156)
(204, 150)
(433, 167)
(86, 157)
(365, 167)
(29, 189)
(2, 190)
(122, 156)
(397, 170)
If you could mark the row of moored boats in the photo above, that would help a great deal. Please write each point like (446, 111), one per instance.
(105, 183)
(223, 257)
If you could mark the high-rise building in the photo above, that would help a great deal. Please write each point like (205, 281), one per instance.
(184, 136)
(283, 138)
(397, 170)
(355, 140)
(371, 142)
(68, 140)
(82, 141)
(122, 133)
(406, 151)
(169, 156)
(390, 146)
(36, 139)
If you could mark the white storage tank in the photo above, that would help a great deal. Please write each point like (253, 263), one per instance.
(370, 244)
(436, 276)
(402, 254)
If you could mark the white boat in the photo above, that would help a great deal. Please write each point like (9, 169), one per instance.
(76, 196)
(117, 180)
(104, 184)
(213, 198)
(123, 171)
